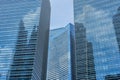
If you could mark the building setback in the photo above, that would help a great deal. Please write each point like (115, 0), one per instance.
(60, 50)
(30, 58)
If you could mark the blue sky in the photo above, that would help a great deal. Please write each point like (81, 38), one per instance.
(61, 13)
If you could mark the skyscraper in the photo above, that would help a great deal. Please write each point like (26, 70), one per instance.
(99, 34)
(31, 44)
(84, 60)
(20, 64)
(60, 50)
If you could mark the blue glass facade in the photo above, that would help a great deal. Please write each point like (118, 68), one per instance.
(20, 24)
(84, 60)
(6, 55)
(60, 50)
(11, 13)
(22, 65)
(101, 21)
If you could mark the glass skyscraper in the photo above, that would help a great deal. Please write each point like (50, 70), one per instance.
(60, 50)
(84, 60)
(24, 33)
(100, 19)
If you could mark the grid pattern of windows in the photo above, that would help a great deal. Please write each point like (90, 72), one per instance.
(21, 21)
(84, 60)
(22, 65)
(101, 22)
(6, 55)
(11, 14)
(59, 61)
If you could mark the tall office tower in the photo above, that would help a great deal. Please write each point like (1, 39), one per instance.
(84, 65)
(20, 66)
(97, 17)
(24, 54)
(30, 53)
(90, 66)
(59, 58)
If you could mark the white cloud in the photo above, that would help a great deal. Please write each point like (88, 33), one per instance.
(90, 12)
(99, 27)
(96, 21)
(100, 31)
(32, 18)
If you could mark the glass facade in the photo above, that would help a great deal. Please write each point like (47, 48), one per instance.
(20, 24)
(59, 58)
(6, 55)
(22, 64)
(100, 19)
(84, 60)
